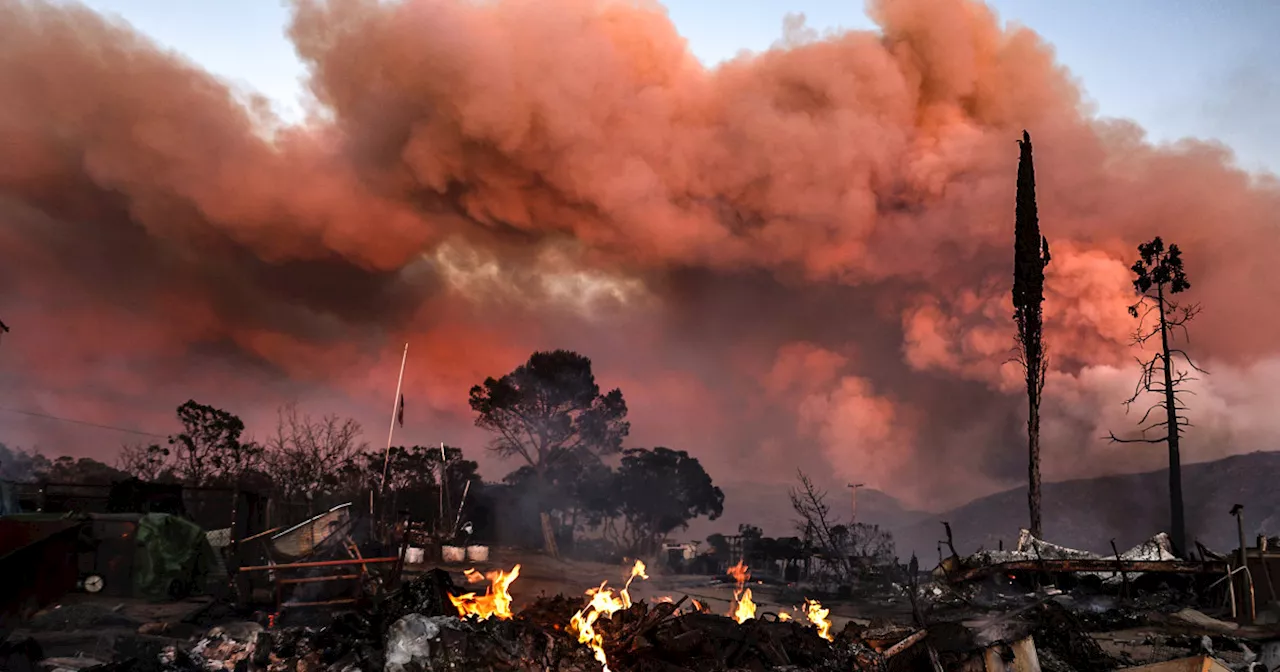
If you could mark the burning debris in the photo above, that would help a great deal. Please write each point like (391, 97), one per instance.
(496, 601)
(743, 608)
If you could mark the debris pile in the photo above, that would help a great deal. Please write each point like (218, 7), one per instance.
(431, 623)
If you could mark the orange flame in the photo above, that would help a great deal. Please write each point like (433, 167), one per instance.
(637, 570)
(817, 615)
(496, 601)
(603, 603)
(784, 616)
(744, 607)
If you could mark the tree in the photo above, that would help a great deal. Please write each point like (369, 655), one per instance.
(578, 492)
(659, 491)
(1030, 257)
(148, 463)
(1158, 275)
(209, 448)
(307, 456)
(411, 479)
(82, 471)
(548, 409)
(816, 524)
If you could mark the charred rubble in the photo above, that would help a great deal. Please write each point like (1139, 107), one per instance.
(1037, 607)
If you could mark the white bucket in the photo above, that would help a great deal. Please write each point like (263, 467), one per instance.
(414, 556)
(453, 554)
(478, 553)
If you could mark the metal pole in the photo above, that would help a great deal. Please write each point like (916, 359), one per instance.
(854, 487)
(395, 411)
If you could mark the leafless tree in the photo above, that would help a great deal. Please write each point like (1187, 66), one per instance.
(816, 523)
(1158, 274)
(306, 455)
(147, 463)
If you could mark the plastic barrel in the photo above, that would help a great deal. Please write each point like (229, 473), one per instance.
(453, 554)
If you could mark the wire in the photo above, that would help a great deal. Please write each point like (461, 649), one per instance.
(82, 422)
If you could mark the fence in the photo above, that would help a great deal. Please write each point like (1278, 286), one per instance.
(210, 508)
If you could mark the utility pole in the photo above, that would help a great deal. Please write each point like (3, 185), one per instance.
(854, 487)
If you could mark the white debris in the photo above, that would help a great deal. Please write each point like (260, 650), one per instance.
(1156, 548)
(409, 640)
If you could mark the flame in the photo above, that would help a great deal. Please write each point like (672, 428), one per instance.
(743, 607)
(784, 616)
(637, 570)
(817, 615)
(664, 599)
(473, 576)
(603, 602)
(496, 601)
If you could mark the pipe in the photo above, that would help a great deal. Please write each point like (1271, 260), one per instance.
(323, 563)
(1238, 512)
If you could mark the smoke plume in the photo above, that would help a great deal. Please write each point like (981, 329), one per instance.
(796, 258)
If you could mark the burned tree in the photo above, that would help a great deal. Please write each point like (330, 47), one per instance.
(550, 409)
(307, 456)
(1158, 274)
(1030, 256)
(817, 525)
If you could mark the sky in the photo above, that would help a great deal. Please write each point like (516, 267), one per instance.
(793, 259)
(1180, 68)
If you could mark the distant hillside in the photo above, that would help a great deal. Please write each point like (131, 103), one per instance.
(768, 507)
(1087, 514)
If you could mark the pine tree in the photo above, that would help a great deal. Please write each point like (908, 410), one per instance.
(1030, 256)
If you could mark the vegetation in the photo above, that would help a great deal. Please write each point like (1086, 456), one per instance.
(549, 410)
(1030, 257)
(850, 549)
(1158, 275)
(658, 491)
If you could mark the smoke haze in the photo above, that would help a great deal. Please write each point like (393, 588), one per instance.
(799, 258)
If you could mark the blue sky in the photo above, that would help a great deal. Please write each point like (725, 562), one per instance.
(1200, 68)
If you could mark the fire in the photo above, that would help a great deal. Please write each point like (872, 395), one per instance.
(637, 570)
(784, 616)
(743, 607)
(817, 615)
(496, 601)
(603, 603)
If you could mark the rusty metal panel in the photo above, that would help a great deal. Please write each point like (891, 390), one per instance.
(38, 573)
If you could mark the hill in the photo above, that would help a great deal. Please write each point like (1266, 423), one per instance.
(1089, 513)
(768, 507)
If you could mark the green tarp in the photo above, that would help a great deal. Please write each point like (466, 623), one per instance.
(173, 558)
